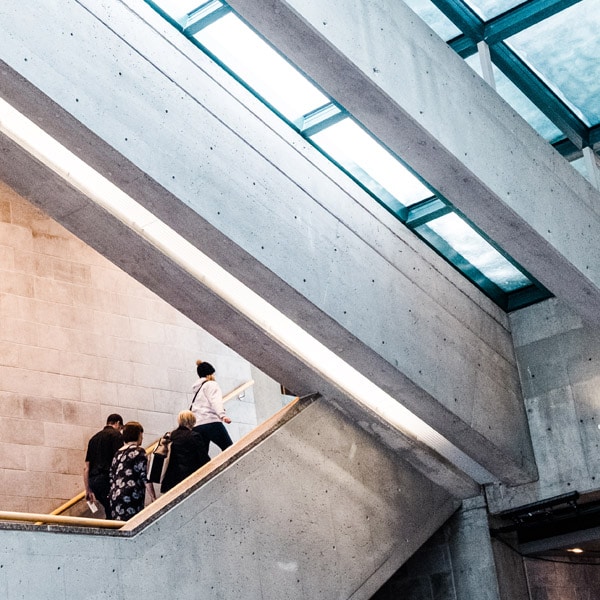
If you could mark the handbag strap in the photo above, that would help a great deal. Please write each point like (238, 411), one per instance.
(194, 398)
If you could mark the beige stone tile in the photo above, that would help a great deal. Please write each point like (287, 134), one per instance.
(64, 435)
(21, 431)
(147, 331)
(13, 456)
(11, 306)
(76, 364)
(131, 396)
(19, 284)
(132, 350)
(52, 336)
(7, 258)
(17, 330)
(16, 503)
(27, 483)
(167, 401)
(47, 226)
(64, 387)
(9, 354)
(52, 313)
(51, 244)
(16, 237)
(155, 424)
(152, 376)
(98, 391)
(108, 278)
(43, 409)
(54, 460)
(80, 413)
(180, 379)
(117, 371)
(43, 505)
(62, 483)
(71, 272)
(40, 359)
(11, 404)
(32, 263)
(49, 290)
(111, 325)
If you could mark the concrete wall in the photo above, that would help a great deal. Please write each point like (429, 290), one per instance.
(458, 563)
(320, 509)
(168, 126)
(562, 580)
(80, 339)
(559, 362)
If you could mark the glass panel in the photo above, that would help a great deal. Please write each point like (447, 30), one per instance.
(520, 102)
(371, 164)
(475, 250)
(178, 9)
(260, 67)
(488, 9)
(435, 18)
(563, 50)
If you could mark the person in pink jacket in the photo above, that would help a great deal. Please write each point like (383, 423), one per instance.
(207, 405)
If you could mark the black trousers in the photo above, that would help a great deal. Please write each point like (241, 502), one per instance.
(215, 433)
(100, 485)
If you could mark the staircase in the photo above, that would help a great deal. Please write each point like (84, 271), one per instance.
(313, 507)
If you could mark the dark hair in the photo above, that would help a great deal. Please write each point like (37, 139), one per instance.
(114, 418)
(131, 431)
(203, 368)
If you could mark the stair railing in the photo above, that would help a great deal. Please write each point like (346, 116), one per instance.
(56, 516)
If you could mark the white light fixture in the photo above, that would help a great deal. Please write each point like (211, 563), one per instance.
(274, 323)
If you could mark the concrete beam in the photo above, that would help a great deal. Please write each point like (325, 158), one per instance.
(384, 64)
(165, 124)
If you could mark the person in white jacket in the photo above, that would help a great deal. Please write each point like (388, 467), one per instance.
(207, 405)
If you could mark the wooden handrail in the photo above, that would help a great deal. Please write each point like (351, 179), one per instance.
(215, 466)
(232, 394)
(238, 390)
(40, 518)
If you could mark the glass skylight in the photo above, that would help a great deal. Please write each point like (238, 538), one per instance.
(260, 67)
(488, 9)
(249, 58)
(177, 9)
(476, 251)
(564, 50)
(370, 163)
(520, 102)
(435, 18)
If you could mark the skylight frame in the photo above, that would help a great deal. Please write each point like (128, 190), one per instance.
(329, 114)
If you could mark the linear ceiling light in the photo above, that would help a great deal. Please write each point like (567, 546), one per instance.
(274, 323)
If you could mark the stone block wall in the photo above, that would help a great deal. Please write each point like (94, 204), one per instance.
(80, 339)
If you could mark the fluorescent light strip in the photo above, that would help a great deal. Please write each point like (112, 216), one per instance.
(279, 327)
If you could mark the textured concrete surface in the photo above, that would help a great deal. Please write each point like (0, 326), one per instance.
(457, 563)
(318, 510)
(165, 124)
(559, 363)
(384, 64)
